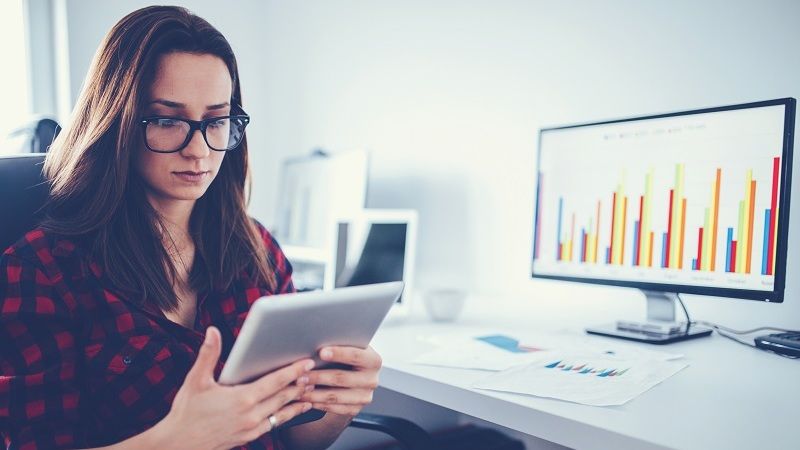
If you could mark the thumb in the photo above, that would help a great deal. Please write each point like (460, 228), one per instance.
(202, 372)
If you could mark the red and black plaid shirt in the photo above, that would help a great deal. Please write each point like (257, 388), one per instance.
(81, 366)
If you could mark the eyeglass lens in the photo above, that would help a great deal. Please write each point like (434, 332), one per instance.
(171, 134)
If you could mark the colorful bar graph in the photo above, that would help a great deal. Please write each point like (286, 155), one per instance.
(579, 240)
(585, 369)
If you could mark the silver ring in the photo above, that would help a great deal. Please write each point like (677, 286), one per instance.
(273, 421)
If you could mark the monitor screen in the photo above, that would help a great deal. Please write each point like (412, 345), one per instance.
(368, 253)
(693, 202)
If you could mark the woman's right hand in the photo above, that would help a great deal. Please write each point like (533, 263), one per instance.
(208, 415)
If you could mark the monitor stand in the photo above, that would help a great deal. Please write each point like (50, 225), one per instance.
(660, 328)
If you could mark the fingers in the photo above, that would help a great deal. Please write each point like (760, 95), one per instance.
(344, 378)
(281, 399)
(202, 372)
(282, 416)
(271, 383)
(353, 356)
(338, 396)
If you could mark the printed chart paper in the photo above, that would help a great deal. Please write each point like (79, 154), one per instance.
(583, 378)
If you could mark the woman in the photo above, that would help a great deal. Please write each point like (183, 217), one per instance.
(117, 312)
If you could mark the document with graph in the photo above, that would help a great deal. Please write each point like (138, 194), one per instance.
(587, 379)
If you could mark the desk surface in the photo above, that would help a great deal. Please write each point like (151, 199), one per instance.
(730, 396)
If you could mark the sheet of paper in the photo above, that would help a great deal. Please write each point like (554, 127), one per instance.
(584, 378)
(496, 352)
(471, 353)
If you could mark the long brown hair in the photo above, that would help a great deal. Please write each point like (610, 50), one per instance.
(95, 194)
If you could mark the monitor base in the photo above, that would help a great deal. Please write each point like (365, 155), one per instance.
(650, 337)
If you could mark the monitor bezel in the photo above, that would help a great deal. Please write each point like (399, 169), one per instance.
(779, 287)
(371, 216)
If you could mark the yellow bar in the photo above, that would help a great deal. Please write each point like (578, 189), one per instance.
(708, 231)
(677, 216)
(615, 251)
(644, 227)
(715, 220)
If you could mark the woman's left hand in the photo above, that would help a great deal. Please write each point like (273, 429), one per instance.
(346, 391)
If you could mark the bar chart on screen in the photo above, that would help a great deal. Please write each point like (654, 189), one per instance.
(693, 200)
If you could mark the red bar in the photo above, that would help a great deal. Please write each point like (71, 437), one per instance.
(613, 218)
(583, 247)
(639, 244)
(776, 164)
(560, 251)
(733, 256)
(669, 225)
(699, 247)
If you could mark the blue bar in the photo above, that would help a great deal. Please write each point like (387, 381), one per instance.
(558, 237)
(664, 251)
(580, 255)
(694, 264)
(766, 243)
(728, 251)
(635, 241)
(608, 255)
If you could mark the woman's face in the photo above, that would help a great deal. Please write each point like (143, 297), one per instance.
(186, 86)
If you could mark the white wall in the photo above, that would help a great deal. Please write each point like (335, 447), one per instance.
(448, 96)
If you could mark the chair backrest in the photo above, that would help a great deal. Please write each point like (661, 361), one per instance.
(35, 136)
(23, 192)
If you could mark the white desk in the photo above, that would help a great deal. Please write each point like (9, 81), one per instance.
(730, 396)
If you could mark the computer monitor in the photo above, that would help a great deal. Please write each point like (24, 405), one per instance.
(688, 202)
(375, 246)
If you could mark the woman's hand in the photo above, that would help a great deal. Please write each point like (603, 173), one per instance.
(345, 392)
(207, 415)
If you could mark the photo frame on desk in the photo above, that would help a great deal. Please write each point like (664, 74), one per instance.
(375, 246)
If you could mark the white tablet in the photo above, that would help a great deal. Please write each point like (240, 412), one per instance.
(282, 329)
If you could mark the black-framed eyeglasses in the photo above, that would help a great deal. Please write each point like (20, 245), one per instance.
(164, 134)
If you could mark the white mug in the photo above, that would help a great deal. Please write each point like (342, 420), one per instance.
(444, 305)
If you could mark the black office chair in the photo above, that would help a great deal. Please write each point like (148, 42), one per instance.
(23, 192)
(34, 136)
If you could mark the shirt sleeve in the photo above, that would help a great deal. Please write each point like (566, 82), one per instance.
(39, 392)
(280, 264)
